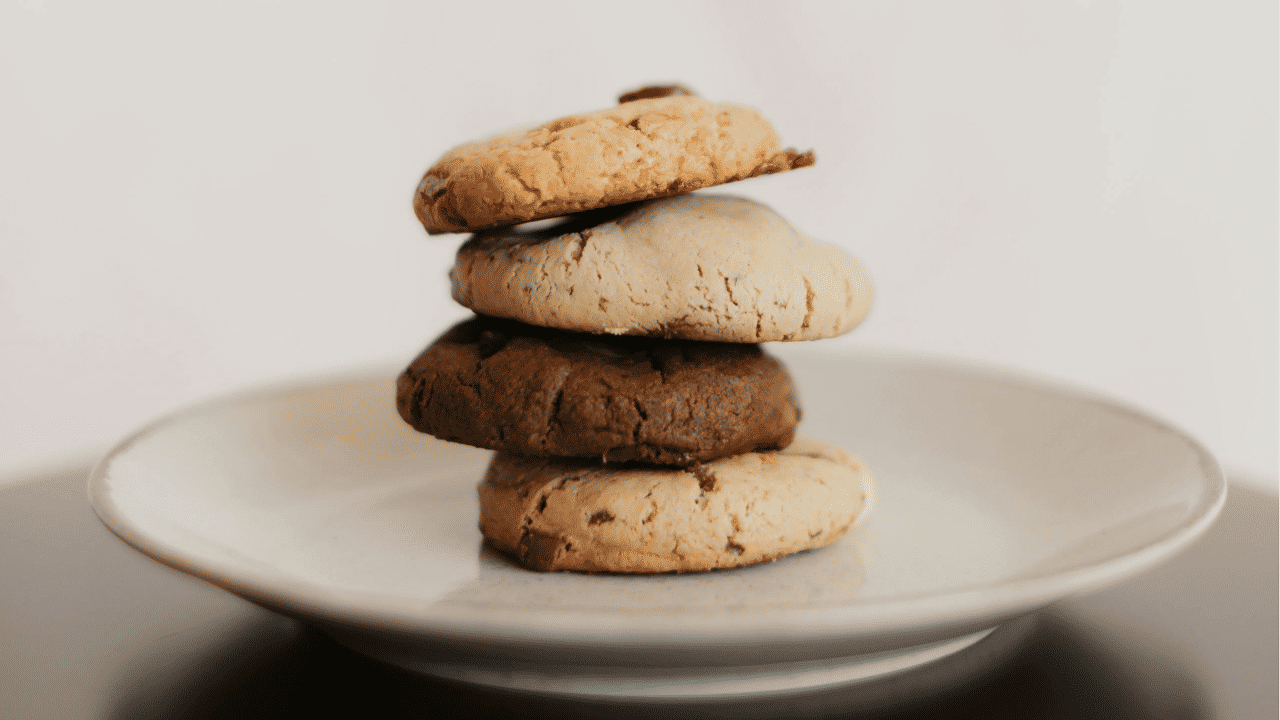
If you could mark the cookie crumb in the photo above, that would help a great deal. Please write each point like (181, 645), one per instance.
(706, 479)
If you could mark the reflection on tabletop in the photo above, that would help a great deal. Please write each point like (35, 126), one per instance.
(93, 629)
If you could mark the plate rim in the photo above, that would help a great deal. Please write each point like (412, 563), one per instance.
(956, 609)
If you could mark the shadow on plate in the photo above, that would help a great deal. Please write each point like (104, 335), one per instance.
(1063, 670)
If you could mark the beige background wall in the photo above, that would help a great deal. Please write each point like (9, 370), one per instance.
(200, 197)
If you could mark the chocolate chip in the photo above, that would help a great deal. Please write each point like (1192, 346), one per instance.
(654, 91)
(539, 551)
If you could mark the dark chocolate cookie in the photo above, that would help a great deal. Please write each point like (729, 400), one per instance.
(529, 390)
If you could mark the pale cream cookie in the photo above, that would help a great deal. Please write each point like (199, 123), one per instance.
(564, 514)
(696, 267)
(643, 148)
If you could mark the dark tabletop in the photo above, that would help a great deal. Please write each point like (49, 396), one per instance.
(91, 629)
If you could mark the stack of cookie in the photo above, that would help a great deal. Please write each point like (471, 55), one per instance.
(614, 361)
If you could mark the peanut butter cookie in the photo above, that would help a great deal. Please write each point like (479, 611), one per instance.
(644, 148)
(557, 514)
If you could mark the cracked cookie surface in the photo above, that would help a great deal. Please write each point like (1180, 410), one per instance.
(645, 148)
(693, 266)
(560, 514)
(508, 386)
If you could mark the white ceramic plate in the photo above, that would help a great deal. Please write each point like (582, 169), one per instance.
(998, 494)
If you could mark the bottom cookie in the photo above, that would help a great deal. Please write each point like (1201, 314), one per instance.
(567, 514)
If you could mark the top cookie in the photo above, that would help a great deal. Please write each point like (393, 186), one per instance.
(641, 149)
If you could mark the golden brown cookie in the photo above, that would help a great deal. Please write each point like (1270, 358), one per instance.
(517, 388)
(697, 267)
(559, 514)
(645, 148)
